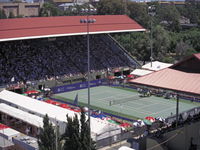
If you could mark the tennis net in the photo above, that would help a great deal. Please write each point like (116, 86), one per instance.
(124, 100)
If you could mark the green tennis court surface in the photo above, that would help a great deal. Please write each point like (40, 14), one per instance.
(127, 102)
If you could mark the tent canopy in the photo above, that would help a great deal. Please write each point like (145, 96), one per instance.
(140, 72)
(22, 115)
(156, 65)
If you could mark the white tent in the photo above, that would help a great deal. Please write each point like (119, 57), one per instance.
(4, 143)
(55, 113)
(156, 65)
(104, 129)
(8, 133)
(22, 115)
(35, 106)
(140, 72)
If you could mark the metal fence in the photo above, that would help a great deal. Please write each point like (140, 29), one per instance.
(184, 115)
(113, 139)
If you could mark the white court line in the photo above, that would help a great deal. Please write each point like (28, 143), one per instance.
(93, 93)
(133, 108)
(118, 107)
(163, 110)
(163, 101)
(143, 112)
(149, 105)
(139, 108)
(108, 97)
(134, 102)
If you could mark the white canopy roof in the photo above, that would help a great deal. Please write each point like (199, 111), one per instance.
(5, 143)
(35, 106)
(103, 128)
(22, 115)
(156, 65)
(54, 112)
(8, 133)
(140, 72)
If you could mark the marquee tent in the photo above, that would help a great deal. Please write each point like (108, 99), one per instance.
(156, 65)
(8, 133)
(140, 72)
(22, 115)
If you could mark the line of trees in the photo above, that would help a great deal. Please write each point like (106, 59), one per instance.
(170, 41)
(76, 136)
(168, 46)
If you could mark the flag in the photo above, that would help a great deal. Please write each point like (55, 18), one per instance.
(13, 79)
(76, 100)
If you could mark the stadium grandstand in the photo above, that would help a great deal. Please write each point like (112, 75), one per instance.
(24, 57)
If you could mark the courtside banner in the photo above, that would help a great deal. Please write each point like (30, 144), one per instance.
(78, 86)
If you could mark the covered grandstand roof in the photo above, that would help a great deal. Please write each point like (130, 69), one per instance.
(41, 27)
(183, 76)
(172, 79)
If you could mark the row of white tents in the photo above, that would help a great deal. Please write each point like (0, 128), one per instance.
(32, 111)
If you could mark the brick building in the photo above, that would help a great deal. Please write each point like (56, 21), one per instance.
(21, 9)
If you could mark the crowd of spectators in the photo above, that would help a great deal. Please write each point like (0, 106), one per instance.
(29, 60)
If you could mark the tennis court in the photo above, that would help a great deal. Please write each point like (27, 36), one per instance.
(127, 102)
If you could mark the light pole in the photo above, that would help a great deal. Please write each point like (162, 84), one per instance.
(151, 12)
(88, 21)
(177, 109)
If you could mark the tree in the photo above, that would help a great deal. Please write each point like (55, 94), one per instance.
(142, 47)
(193, 11)
(71, 136)
(137, 44)
(47, 137)
(169, 16)
(49, 9)
(76, 136)
(183, 49)
(161, 42)
(84, 135)
(192, 38)
(2, 14)
(111, 7)
(138, 12)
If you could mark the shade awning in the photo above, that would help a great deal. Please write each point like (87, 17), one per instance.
(22, 115)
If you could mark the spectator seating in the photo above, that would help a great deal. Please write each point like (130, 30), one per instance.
(29, 60)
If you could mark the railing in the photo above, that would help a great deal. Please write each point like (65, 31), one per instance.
(124, 50)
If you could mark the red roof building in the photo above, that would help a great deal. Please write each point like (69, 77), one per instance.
(42, 27)
(183, 76)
